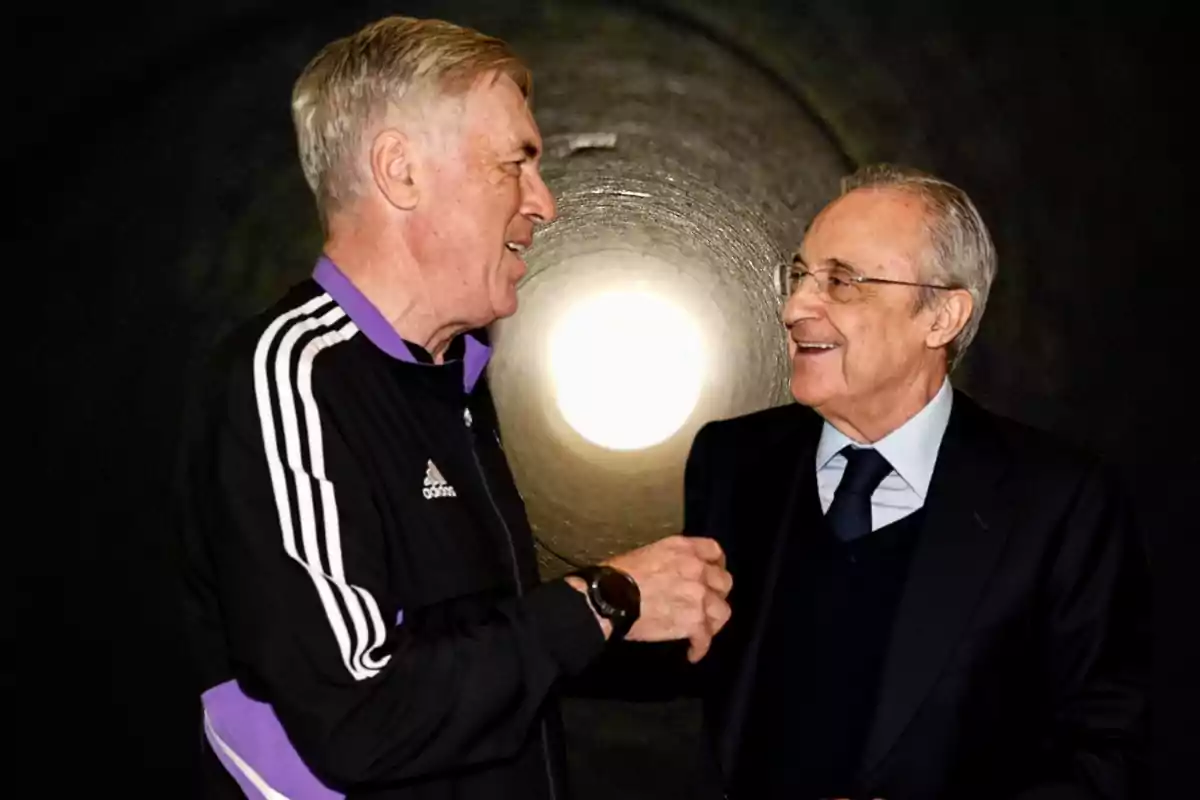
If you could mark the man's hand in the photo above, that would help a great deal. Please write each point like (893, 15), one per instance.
(683, 583)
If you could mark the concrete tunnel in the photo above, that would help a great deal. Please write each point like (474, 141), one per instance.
(688, 144)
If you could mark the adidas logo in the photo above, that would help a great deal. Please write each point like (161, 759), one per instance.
(435, 484)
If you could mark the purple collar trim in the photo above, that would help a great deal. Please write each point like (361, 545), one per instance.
(373, 325)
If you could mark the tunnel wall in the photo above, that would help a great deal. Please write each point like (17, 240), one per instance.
(157, 202)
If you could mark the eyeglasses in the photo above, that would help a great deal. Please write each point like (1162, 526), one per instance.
(838, 284)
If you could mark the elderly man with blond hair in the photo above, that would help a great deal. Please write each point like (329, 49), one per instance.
(362, 594)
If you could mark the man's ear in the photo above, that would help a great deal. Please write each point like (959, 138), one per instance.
(392, 168)
(950, 315)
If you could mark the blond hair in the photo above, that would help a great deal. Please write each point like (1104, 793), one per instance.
(962, 253)
(354, 81)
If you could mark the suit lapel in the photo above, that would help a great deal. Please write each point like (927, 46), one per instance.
(964, 531)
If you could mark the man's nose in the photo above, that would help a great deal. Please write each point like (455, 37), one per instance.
(538, 201)
(804, 303)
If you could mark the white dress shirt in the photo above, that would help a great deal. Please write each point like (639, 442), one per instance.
(912, 451)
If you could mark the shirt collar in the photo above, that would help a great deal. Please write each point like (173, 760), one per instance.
(371, 322)
(911, 449)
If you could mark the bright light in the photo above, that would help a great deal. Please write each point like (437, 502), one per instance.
(628, 368)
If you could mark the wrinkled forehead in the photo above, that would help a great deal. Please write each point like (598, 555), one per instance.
(496, 112)
(867, 228)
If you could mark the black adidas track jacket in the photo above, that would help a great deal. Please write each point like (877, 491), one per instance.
(362, 596)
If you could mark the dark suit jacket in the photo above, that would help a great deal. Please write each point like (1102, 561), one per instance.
(1020, 652)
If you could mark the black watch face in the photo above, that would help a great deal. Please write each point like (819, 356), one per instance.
(619, 593)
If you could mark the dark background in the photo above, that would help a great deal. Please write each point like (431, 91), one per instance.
(138, 230)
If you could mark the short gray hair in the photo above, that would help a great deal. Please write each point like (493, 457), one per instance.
(353, 81)
(963, 255)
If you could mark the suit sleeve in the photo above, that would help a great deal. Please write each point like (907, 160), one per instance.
(697, 486)
(299, 554)
(1097, 642)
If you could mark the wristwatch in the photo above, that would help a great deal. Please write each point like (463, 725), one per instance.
(614, 595)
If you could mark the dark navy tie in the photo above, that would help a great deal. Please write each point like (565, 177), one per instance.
(849, 514)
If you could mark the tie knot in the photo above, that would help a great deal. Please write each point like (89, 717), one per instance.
(865, 470)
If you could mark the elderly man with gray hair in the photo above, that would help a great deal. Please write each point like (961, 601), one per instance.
(362, 594)
(933, 601)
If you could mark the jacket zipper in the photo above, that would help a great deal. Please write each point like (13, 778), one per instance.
(512, 551)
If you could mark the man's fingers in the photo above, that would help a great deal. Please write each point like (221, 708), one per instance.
(691, 568)
(718, 613)
(709, 550)
(718, 579)
(683, 585)
(700, 642)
